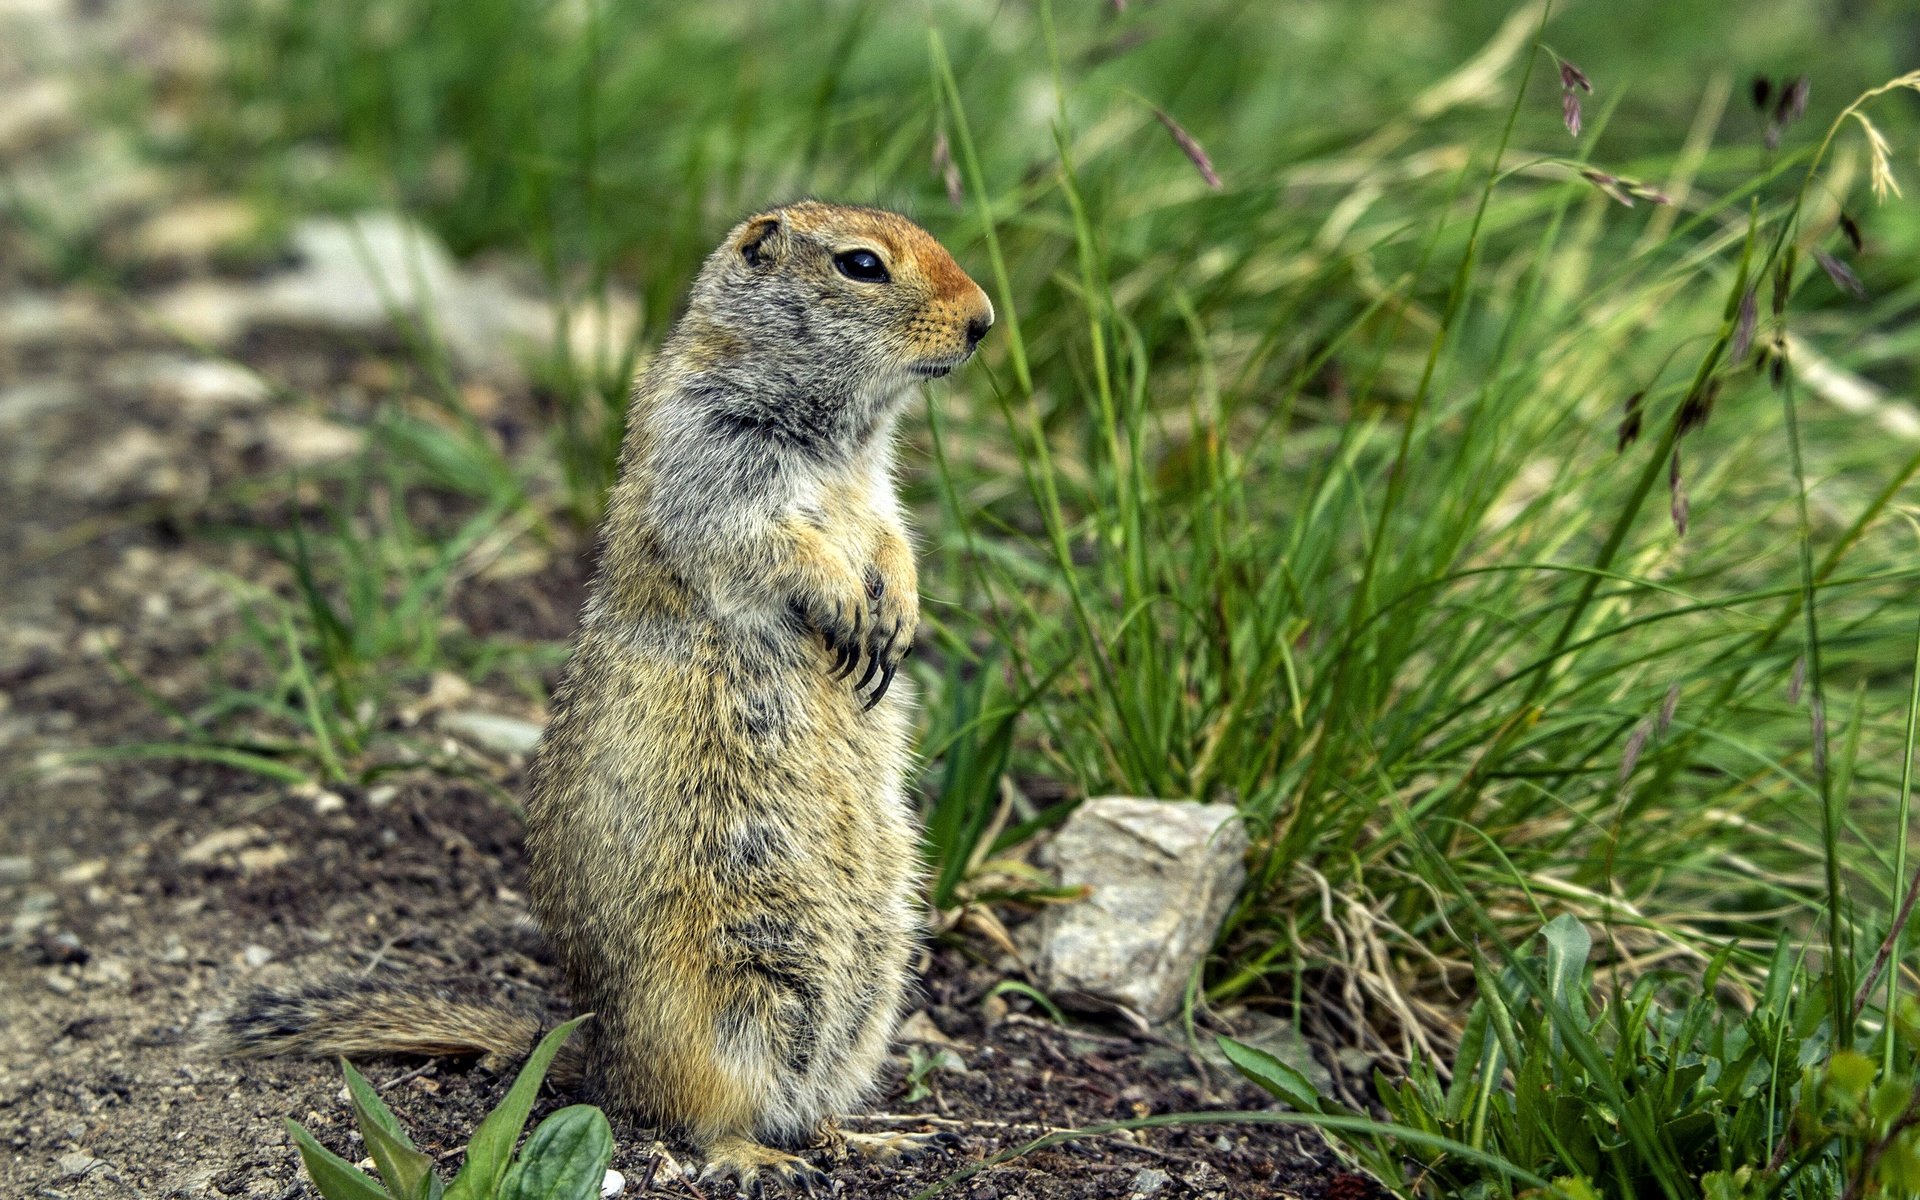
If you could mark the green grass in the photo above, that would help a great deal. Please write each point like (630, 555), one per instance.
(1307, 493)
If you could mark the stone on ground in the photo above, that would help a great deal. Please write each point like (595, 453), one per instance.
(1161, 875)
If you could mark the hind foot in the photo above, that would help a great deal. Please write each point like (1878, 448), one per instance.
(884, 1147)
(750, 1167)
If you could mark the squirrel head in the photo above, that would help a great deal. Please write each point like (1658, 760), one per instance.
(833, 308)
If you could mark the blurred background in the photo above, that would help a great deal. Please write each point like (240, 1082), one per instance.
(1475, 441)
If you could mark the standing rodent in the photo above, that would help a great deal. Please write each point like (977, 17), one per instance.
(723, 854)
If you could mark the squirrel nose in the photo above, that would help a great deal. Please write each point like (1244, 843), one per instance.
(977, 328)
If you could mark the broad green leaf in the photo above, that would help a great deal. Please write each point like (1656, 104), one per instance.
(336, 1178)
(565, 1159)
(403, 1168)
(1850, 1074)
(1890, 1099)
(492, 1144)
(1568, 945)
(1272, 1074)
(1473, 1045)
(1575, 1188)
(1900, 1166)
(368, 1102)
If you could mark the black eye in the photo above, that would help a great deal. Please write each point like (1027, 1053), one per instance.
(863, 265)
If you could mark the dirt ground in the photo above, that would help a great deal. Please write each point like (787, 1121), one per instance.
(138, 896)
(155, 896)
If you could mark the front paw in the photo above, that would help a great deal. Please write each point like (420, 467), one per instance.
(895, 608)
(844, 621)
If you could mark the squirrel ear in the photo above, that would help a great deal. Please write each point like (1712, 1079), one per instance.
(761, 242)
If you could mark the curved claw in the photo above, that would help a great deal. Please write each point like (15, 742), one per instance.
(886, 679)
(849, 659)
(874, 661)
(747, 1168)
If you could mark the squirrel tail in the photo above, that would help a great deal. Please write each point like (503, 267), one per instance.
(350, 1017)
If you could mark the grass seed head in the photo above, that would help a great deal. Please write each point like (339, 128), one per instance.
(1611, 185)
(1793, 101)
(1851, 230)
(1677, 494)
(1797, 680)
(1573, 81)
(1636, 742)
(1667, 708)
(1817, 719)
(1841, 274)
(1789, 107)
(947, 170)
(1630, 421)
(1743, 327)
(1190, 147)
(1697, 409)
(1879, 160)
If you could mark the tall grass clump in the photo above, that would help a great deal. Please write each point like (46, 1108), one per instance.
(1484, 470)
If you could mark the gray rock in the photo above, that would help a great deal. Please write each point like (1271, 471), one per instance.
(80, 1164)
(360, 273)
(134, 463)
(381, 271)
(35, 113)
(213, 311)
(1149, 1181)
(1162, 874)
(199, 388)
(25, 403)
(491, 732)
(36, 318)
(221, 842)
(197, 230)
(302, 439)
(15, 868)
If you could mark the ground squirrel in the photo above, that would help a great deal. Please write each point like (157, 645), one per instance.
(723, 853)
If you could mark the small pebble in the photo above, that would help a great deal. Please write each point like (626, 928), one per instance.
(15, 868)
(612, 1185)
(1148, 1181)
(79, 1163)
(60, 948)
(494, 733)
(84, 872)
(257, 956)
